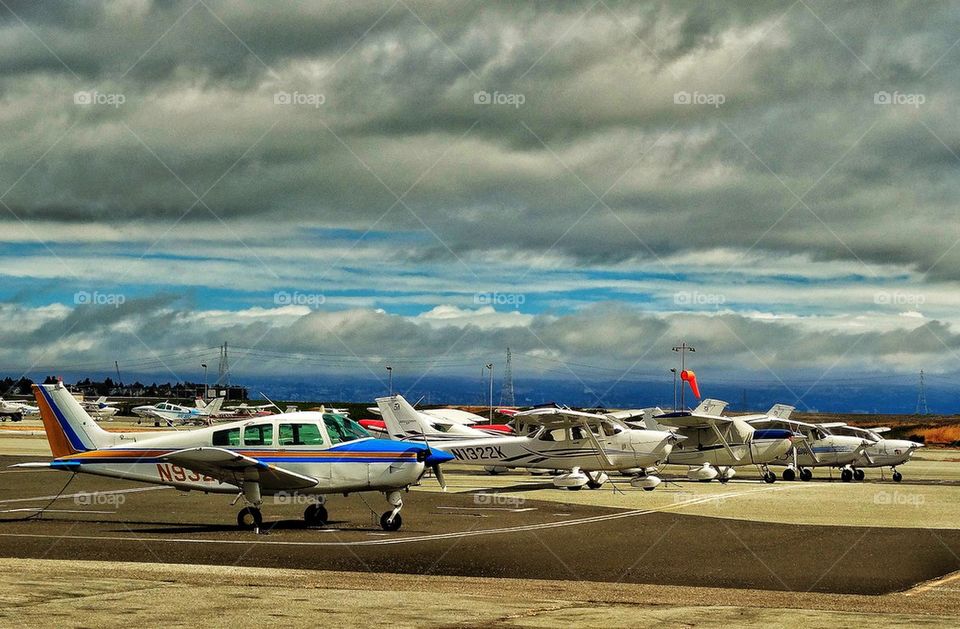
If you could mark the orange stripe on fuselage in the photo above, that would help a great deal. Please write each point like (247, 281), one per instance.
(59, 444)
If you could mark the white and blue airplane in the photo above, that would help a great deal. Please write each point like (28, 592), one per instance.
(304, 453)
(171, 413)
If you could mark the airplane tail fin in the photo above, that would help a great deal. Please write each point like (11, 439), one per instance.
(710, 407)
(781, 411)
(69, 428)
(649, 421)
(400, 418)
(199, 403)
(214, 406)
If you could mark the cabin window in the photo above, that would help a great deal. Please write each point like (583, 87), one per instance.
(258, 435)
(229, 437)
(299, 435)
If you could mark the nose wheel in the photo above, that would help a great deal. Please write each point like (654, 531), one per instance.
(315, 515)
(388, 523)
(897, 477)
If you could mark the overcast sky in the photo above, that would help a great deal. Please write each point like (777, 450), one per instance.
(588, 182)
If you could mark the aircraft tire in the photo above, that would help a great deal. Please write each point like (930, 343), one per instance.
(897, 477)
(769, 477)
(315, 515)
(387, 525)
(789, 474)
(859, 474)
(249, 518)
(806, 475)
(846, 475)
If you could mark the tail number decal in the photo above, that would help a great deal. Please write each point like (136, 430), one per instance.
(475, 453)
(175, 473)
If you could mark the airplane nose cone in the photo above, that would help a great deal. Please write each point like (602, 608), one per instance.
(436, 457)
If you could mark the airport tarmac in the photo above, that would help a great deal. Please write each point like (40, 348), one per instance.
(693, 546)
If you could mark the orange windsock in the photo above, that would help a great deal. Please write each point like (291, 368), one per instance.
(691, 378)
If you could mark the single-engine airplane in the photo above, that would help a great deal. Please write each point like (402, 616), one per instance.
(588, 445)
(304, 453)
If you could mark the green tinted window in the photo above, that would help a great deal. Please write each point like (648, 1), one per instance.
(342, 428)
(259, 435)
(227, 437)
(300, 435)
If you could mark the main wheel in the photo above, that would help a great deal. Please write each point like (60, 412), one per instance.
(859, 474)
(723, 479)
(769, 477)
(387, 525)
(789, 474)
(249, 518)
(846, 475)
(315, 515)
(806, 474)
(897, 477)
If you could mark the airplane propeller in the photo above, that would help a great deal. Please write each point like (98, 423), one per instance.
(434, 464)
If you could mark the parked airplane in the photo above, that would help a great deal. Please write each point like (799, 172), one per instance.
(438, 423)
(818, 448)
(588, 445)
(878, 452)
(306, 453)
(716, 444)
(172, 413)
(13, 410)
(100, 407)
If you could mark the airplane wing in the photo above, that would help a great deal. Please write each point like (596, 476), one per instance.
(633, 414)
(829, 425)
(234, 468)
(692, 420)
(558, 417)
(880, 429)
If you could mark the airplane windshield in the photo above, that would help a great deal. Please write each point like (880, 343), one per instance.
(341, 428)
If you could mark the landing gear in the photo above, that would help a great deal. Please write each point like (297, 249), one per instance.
(388, 524)
(846, 474)
(596, 481)
(391, 520)
(249, 518)
(806, 474)
(859, 474)
(897, 476)
(315, 515)
(789, 474)
(769, 477)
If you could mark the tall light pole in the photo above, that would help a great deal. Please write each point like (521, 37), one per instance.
(683, 348)
(674, 372)
(390, 378)
(206, 389)
(490, 367)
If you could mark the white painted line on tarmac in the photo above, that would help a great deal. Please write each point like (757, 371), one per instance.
(510, 509)
(418, 538)
(87, 494)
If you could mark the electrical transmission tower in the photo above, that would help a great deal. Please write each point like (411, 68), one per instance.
(922, 398)
(223, 370)
(507, 397)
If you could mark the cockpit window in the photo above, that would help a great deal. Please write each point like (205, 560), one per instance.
(341, 428)
(559, 434)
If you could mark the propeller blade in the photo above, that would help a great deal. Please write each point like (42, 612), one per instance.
(438, 473)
